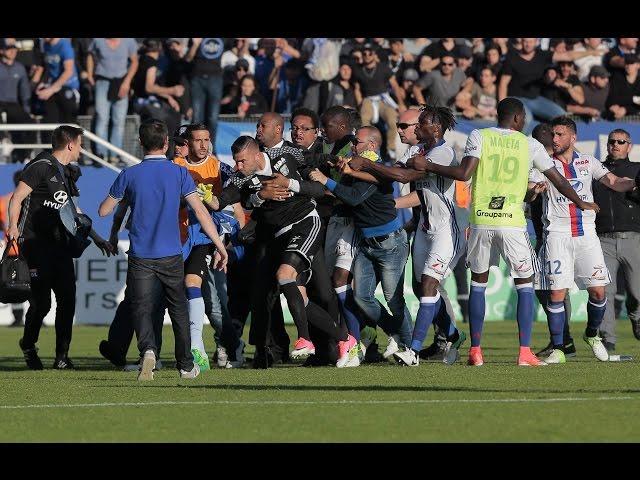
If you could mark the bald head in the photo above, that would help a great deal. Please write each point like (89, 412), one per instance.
(269, 129)
(369, 138)
(407, 123)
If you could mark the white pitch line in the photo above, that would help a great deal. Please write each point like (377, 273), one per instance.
(329, 402)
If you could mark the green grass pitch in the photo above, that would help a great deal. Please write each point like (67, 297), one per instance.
(581, 401)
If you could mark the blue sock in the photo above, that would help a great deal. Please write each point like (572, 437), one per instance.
(348, 308)
(525, 312)
(476, 311)
(556, 322)
(595, 314)
(444, 320)
(427, 311)
(196, 317)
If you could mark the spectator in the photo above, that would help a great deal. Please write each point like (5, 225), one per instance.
(432, 55)
(239, 50)
(464, 59)
(232, 85)
(59, 90)
(614, 59)
(15, 95)
(522, 78)
(357, 57)
(322, 56)
(30, 55)
(111, 65)
(597, 50)
(177, 73)
(374, 79)
(87, 102)
(409, 78)
(340, 91)
(503, 43)
(491, 59)
(480, 100)
(414, 46)
(206, 82)
(289, 85)
(443, 84)
(563, 86)
(596, 91)
(477, 46)
(624, 95)
(265, 63)
(248, 101)
(395, 57)
(351, 45)
(151, 100)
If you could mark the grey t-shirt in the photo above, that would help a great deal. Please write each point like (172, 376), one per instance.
(442, 92)
(112, 62)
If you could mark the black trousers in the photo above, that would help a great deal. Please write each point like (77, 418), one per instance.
(143, 277)
(121, 329)
(267, 320)
(16, 114)
(50, 272)
(61, 107)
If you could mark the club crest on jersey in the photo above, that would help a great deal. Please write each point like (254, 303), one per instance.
(496, 203)
(584, 172)
(281, 166)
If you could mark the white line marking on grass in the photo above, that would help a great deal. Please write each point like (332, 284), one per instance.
(328, 402)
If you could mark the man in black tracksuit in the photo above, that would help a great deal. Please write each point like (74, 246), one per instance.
(45, 186)
(618, 226)
(289, 226)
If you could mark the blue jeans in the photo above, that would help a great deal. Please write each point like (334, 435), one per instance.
(104, 109)
(214, 293)
(384, 262)
(541, 107)
(206, 94)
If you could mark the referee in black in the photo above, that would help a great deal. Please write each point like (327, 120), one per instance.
(33, 213)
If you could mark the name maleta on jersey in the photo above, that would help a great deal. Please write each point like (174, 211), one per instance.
(512, 142)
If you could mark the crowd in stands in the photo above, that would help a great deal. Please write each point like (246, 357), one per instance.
(183, 80)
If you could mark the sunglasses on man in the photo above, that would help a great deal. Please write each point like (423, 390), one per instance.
(404, 126)
(355, 141)
(619, 142)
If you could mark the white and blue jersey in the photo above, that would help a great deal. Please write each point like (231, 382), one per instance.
(560, 215)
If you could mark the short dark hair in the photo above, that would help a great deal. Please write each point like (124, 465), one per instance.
(64, 134)
(153, 134)
(195, 127)
(355, 120)
(243, 142)
(564, 121)
(621, 131)
(508, 107)
(306, 112)
(338, 112)
(544, 134)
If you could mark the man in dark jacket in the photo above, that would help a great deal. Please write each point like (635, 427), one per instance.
(618, 226)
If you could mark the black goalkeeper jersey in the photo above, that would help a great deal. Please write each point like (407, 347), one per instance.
(274, 214)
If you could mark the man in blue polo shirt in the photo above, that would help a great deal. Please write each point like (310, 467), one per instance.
(154, 190)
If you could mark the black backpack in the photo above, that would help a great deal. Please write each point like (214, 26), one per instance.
(15, 278)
